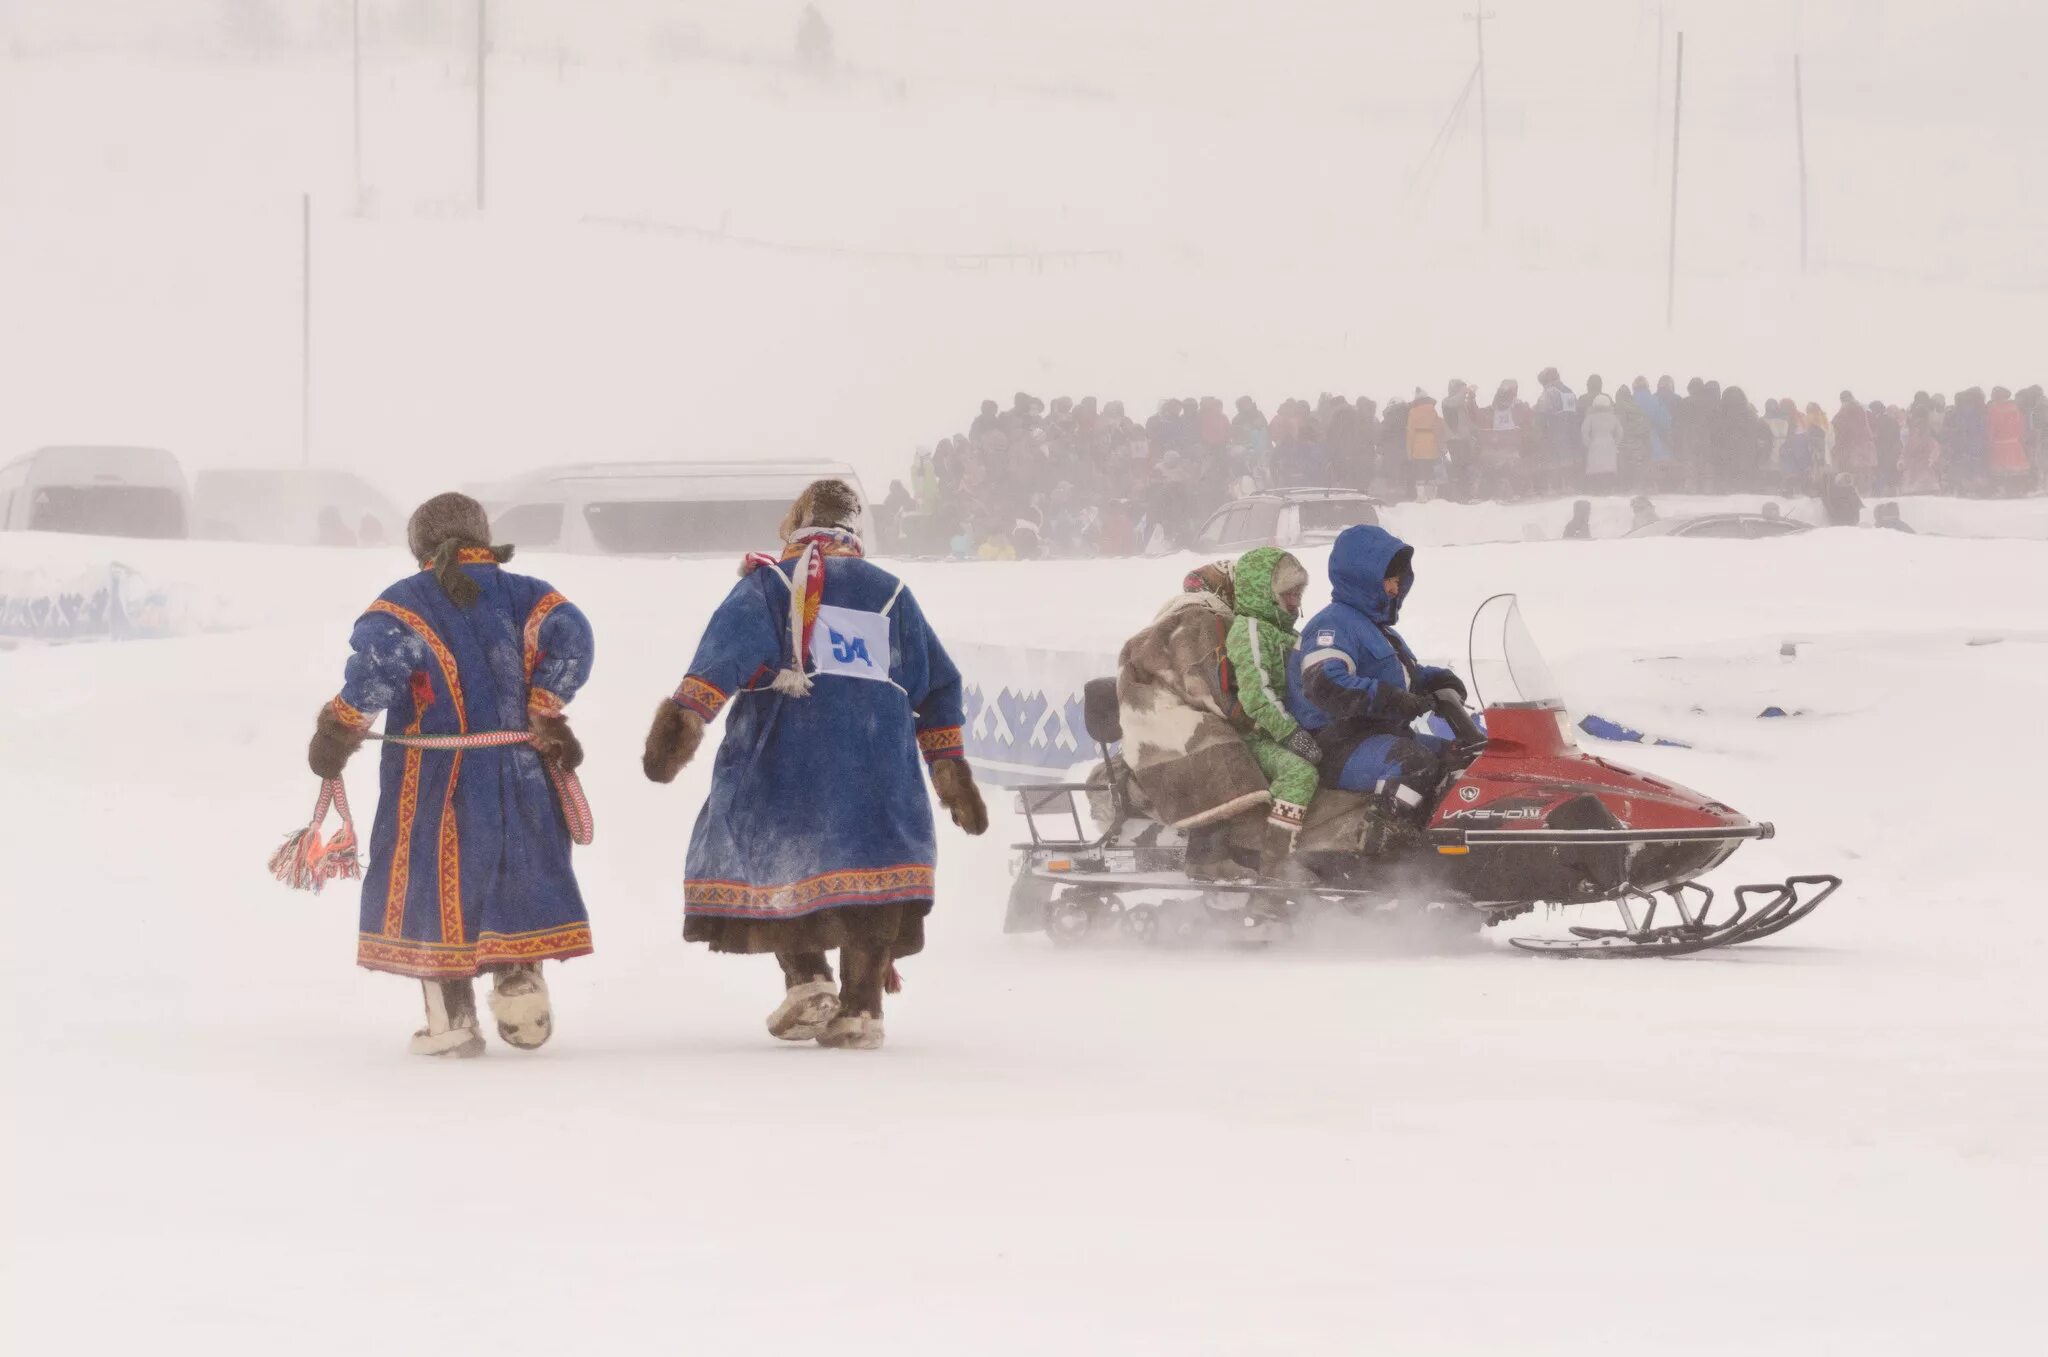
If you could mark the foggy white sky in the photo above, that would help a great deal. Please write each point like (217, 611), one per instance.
(1252, 170)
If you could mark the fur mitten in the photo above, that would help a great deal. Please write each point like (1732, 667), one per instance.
(333, 741)
(554, 741)
(953, 780)
(671, 741)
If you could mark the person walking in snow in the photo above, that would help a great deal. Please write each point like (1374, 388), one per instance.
(469, 854)
(1269, 586)
(817, 835)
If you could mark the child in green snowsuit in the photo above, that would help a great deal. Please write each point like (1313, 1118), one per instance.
(1269, 588)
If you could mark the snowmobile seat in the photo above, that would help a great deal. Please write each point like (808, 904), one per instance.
(1099, 711)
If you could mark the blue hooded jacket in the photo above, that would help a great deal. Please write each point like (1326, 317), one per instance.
(1343, 678)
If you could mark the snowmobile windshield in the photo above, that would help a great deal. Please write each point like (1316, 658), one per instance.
(1507, 668)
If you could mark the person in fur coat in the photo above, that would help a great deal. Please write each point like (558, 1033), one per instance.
(817, 835)
(1184, 730)
(469, 854)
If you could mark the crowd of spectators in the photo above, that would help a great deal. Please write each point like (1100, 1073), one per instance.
(1082, 478)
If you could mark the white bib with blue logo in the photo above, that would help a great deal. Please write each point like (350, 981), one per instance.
(850, 643)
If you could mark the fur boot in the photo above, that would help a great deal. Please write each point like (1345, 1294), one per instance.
(519, 1001)
(333, 741)
(1277, 866)
(805, 1011)
(671, 741)
(853, 1032)
(1209, 856)
(451, 1020)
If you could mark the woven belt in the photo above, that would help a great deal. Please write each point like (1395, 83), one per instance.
(305, 862)
(575, 806)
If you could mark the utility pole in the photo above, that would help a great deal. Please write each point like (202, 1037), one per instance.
(1799, 124)
(1677, 113)
(305, 329)
(1479, 18)
(483, 30)
(355, 40)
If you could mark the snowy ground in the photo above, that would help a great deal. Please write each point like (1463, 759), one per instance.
(1823, 1143)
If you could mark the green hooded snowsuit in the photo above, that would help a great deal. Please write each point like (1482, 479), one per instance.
(1261, 635)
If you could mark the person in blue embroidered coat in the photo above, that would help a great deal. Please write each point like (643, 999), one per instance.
(817, 835)
(469, 854)
(1354, 684)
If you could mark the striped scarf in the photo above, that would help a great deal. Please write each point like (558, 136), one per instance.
(809, 547)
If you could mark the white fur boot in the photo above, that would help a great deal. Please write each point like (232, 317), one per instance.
(853, 1032)
(451, 1021)
(805, 1011)
(519, 1001)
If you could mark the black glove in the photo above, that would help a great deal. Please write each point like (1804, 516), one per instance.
(1434, 681)
(1304, 744)
(1406, 706)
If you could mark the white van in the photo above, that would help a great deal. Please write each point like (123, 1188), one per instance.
(100, 491)
(655, 508)
(292, 506)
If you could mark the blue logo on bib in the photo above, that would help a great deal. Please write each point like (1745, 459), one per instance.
(846, 652)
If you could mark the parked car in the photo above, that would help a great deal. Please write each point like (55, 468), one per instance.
(1298, 517)
(292, 506)
(103, 491)
(655, 508)
(1723, 525)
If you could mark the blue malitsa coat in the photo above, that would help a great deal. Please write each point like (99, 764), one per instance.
(818, 815)
(469, 854)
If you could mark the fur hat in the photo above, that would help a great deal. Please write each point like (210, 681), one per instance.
(823, 504)
(438, 532)
(1217, 577)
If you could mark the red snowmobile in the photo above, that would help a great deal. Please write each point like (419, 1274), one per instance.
(1522, 816)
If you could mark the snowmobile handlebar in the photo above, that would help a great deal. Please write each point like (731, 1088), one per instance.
(1470, 739)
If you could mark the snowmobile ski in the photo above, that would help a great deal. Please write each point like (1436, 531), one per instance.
(1760, 911)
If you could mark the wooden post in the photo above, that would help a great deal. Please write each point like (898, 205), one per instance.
(1799, 125)
(1677, 115)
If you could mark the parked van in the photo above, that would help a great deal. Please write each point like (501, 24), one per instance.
(655, 508)
(102, 491)
(292, 506)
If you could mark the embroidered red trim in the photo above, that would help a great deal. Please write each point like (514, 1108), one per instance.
(534, 620)
(867, 886)
(703, 698)
(434, 960)
(348, 715)
(942, 742)
(469, 556)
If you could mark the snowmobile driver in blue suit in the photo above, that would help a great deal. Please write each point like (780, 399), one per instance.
(1356, 686)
